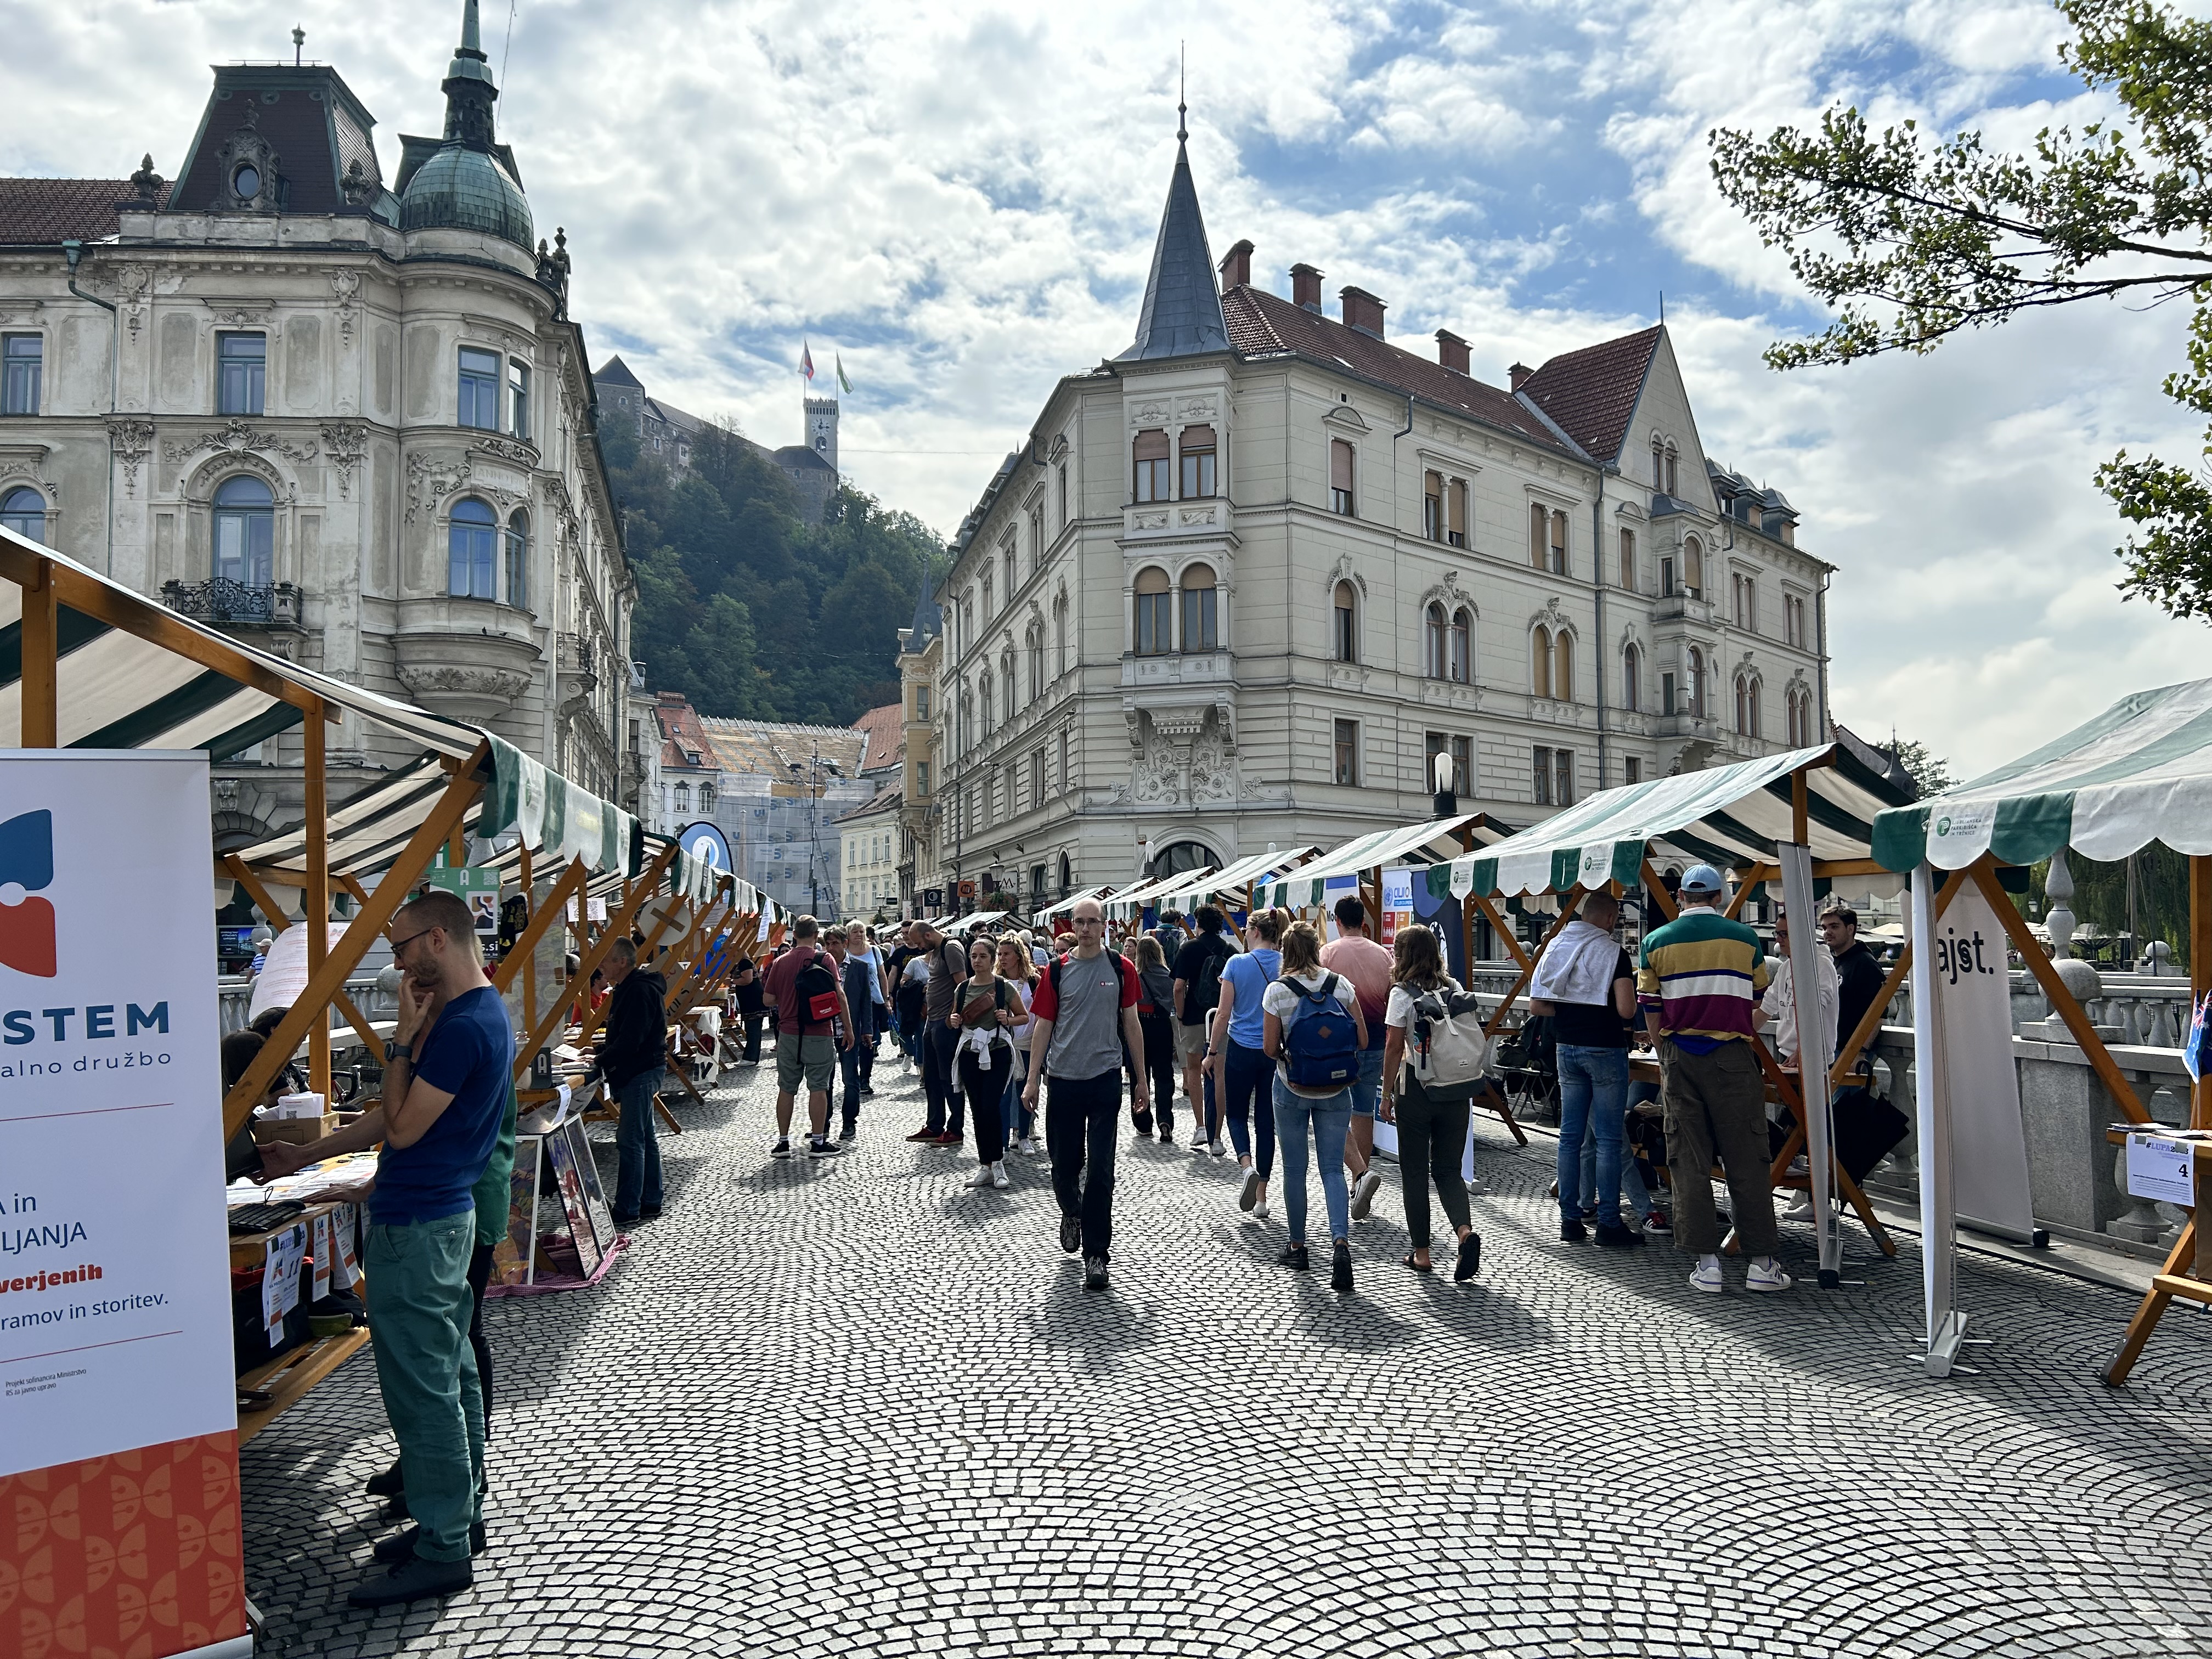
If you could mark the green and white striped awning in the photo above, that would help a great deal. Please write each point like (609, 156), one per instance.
(1729, 816)
(1100, 892)
(1413, 844)
(1232, 878)
(1125, 904)
(2140, 771)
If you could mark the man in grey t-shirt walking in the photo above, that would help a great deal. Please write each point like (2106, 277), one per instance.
(1085, 1011)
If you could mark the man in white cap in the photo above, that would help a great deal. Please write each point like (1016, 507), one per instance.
(1699, 981)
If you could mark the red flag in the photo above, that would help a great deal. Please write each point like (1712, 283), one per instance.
(806, 360)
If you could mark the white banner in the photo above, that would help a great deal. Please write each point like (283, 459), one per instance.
(114, 1258)
(1989, 1148)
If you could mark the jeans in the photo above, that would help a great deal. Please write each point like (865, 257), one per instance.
(1432, 1136)
(851, 1065)
(1160, 1064)
(637, 1148)
(1593, 1095)
(1329, 1121)
(753, 1024)
(1020, 1122)
(418, 1309)
(1367, 1087)
(986, 1098)
(938, 1080)
(1247, 1073)
(1636, 1198)
(1082, 1125)
(480, 1276)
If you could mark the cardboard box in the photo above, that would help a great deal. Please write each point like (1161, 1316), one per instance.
(294, 1131)
(308, 1106)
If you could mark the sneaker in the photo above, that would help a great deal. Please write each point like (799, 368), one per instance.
(401, 1545)
(1259, 1209)
(925, 1137)
(1362, 1194)
(414, 1579)
(1708, 1275)
(999, 1179)
(823, 1146)
(850, 1132)
(1800, 1207)
(1571, 1230)
(1217, 1146)
(1766, 1274)
(1249, 1194)
(1656, 1222)
(1094, 1273)
(1614, 1237)
(866, 1090)
(1199, 1143)
(1071, 1233)
(1470, 1257)
(1589, 1212)
(950, 1138)
(1294, 1257)
(783, 1147)
(1339, 1268)
(1037, 1147)
(390, 1484)
(982, 1177)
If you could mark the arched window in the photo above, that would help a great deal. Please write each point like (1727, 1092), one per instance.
(988, 606)
(1697, 687)
(1150, 453)
(1693, 567)
(1751, 715)
(1628, 559)
(1198, 473)
(471, 537)
(24, 512)
(517, 560)
(1540, 536)
(1674, 481)
(1347, 622)
(1059, 634)
(1631, 678)
(1012, 564)
(1463, 645)
(682, 797)
(705, 797)
(245, 531)
(1201, 609)
(1540, 662)
(1433, 641)
(1155, 613)
(1562, 677)
(1067, 875)
(1006, 687)
(1658, 465)
(1037, 662)
(983, 701)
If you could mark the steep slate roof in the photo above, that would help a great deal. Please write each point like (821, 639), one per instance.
(616, 372)
(1592, 392)
(1264, 324)
(886, 730)
(928, 620)
(45, 212)
(1181, 314)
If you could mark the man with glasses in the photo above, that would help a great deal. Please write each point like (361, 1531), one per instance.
(446, 1074)
(1084, 1015)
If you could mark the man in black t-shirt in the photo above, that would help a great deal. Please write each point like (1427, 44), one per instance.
(1592, 1000)
(1197, 968)
(751, 1008)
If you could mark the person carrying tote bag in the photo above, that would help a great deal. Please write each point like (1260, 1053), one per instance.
(1431, 1129)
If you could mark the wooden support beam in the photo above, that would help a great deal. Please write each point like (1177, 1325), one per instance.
(605, 941)
(1513, 945)
(1569, 902)
(617, 927)
(1800, 808)
(2077, 1020)
(1747, 880)
(526, 946)
(1655, 891)
(40, 686)
(529, 957)
(240, 871)
(2153, 1306)
(316, 905)
(366, 928)
(1870, 1021)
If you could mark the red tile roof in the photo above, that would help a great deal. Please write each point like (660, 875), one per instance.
(1262, 325)
(45, 212)
(886, 730)
(682, 735)
(1592, 392)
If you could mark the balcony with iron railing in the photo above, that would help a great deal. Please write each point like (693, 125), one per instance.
(231, 604)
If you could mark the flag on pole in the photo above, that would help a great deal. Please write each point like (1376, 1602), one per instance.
(843, 384)
(806, 360)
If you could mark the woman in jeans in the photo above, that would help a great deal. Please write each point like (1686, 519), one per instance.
(1238, 1065)
(1587, 985)
(1155, 1011)
(1326, 1112)
(982, 1019)
(1016, 968)
(1431, 1133)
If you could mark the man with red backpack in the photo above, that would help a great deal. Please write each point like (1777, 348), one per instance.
(812, 1020)
(1085, 1021)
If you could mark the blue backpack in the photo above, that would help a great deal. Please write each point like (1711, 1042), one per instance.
(1320, 1050)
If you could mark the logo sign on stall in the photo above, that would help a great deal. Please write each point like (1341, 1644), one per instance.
(115, 1307)
(706, 843)
(477, 885)
(1973, 984)
(2162, 1169)
(1397, 903)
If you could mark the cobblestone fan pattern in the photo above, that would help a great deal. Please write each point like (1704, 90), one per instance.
(852, 1408)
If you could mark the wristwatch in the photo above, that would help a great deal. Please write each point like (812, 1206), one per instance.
(398, 1051)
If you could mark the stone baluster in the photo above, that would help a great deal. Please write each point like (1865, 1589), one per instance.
(2058, 888)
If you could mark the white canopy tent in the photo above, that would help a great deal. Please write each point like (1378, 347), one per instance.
(1129, 900)
(1235, 877)
(1418, 844)
(1099, 892)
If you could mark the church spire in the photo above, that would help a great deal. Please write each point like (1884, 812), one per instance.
(1181, 314)
(468, 87)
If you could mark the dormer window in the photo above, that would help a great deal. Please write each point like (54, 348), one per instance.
(246, 182)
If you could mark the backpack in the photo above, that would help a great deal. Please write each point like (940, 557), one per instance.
(1449, 1053)
(1122, 965)
(1322, 1049)
(816, 986)
(1206, 989)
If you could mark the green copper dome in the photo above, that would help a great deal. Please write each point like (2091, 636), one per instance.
(464, 189)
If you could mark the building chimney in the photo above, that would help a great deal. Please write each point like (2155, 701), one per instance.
(1305, 288)
(1519, 373)
(1362, 310)
(1451, 352)
(1237, 269)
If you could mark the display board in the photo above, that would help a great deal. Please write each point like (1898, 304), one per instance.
(115, 1359)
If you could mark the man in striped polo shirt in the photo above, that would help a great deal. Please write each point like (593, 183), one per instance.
(1699, 981)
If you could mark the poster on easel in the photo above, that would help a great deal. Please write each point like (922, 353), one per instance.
(567, 1176)
(514, 1258)
(115, 1330)
(595, 1198)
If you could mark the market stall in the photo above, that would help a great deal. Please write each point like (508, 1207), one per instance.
(1101, 892)
(2140, 771)
(1132, 901)
(1234, 881)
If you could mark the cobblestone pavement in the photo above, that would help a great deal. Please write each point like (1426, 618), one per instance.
(853, 1409)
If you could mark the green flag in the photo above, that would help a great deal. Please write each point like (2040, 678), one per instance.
(843, 384)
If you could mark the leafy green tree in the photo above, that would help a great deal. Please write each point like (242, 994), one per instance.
(1911, 237)
(1930, 771)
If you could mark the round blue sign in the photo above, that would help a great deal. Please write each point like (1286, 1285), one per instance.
(704, 843)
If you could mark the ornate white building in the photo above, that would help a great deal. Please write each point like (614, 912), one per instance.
(1242, 583)
(351, 420)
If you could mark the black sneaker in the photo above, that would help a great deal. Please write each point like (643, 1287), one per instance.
(1094, 1273)
(400, 1547)
(823, 1146)
(1340, 1268)
(390, 1484)
(1470, 1257)
(1293, 1257)
(1614, 1237)
(1071, 1233)
(851, 1131)
(413, 1580)
(783, 1147)
(1571, 1231)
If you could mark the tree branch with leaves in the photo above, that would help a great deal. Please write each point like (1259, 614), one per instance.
(1910, 239)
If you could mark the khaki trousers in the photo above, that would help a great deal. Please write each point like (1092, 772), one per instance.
(1715, 1106)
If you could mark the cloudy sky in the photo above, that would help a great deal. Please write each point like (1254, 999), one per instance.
(961, 200)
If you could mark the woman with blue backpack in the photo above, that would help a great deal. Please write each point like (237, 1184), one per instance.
(1314, 1032)
(1239, 1066)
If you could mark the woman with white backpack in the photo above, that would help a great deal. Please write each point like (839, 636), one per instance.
(1432, 1129)
(1314, 1032)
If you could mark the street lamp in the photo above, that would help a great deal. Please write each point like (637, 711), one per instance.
(1447, 804)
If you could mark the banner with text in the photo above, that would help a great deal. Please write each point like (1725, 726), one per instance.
(1989, 1159)
(116, 1357)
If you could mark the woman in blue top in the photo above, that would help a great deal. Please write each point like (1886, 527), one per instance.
(1242, 1074)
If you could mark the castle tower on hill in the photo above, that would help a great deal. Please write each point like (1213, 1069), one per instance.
(822, 429)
